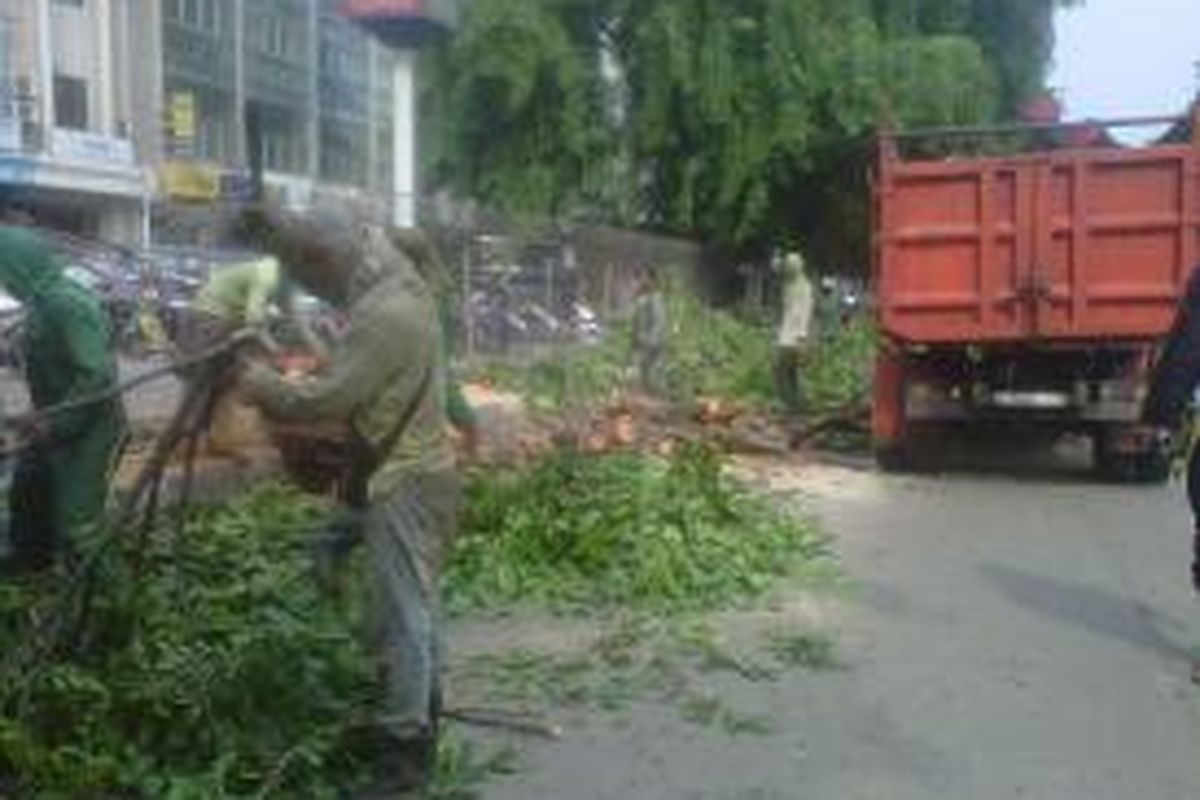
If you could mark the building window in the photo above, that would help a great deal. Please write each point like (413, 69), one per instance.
(275, 40)
(204, 15)
(279, 151)
(210, 138)
(70, 102)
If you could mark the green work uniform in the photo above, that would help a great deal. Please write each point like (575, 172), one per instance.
(390, 362)
(458, 409)
(242, 293)
(650, 328)
(61, 480)
(414, 243)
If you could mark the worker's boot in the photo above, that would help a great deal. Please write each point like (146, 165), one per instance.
(404, 769)
(406, 766)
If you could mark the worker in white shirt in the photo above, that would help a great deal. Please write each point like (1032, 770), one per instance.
(795, 326)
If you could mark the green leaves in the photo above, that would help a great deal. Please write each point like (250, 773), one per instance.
(238, 681)
(710, 117)
(578, 533)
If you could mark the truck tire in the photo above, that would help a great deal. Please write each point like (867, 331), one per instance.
(889, 428)
(893, 458)
(1149, 467)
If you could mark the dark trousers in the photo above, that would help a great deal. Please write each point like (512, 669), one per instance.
(787, 378)
(60, 488)
(34, 535)
(1193, 487)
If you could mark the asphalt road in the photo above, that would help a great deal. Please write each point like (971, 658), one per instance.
(1007, 638)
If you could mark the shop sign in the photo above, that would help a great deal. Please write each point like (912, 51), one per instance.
(190, 180)
(72, 145)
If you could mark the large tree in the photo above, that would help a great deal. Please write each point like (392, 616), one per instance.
(744, 123)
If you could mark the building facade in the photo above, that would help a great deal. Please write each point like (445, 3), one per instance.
(312, 78)
(66, 134)
(126, 119)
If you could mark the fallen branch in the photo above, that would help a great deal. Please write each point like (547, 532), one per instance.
(854, 418)
(508, 720)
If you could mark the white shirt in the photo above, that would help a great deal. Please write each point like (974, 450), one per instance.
(797, 304)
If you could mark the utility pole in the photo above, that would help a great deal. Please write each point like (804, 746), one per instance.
(404, 26)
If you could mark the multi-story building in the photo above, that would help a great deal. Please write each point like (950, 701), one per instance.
(66, 151)
(126, 119)
(313, 79)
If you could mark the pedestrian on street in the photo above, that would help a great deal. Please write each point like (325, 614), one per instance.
(385, 384)
(795, 325)
(67, 458)
(650, 329)
(1172, 389)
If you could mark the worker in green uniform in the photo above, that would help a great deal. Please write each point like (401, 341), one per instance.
(238, 297)
(649, 336)
(62, 476)
(385, 382)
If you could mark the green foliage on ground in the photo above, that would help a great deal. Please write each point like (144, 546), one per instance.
(583, 533)
(839, 373)
(229, 675)
(569, 377)
(711, 353)
(717, 353)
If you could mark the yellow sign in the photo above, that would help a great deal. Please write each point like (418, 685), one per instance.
(181, 116)
(190, 180)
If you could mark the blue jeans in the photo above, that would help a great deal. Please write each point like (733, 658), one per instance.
(407, 534)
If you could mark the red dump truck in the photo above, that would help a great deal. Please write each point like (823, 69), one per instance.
(1030, 287)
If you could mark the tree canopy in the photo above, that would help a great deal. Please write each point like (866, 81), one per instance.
(746, 124)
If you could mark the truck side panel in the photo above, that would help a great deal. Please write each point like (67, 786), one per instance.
(1117, 242)
(1063, 246)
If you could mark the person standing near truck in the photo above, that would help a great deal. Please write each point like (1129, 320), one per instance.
(1172, 390)
(61, 481)
(792, 341)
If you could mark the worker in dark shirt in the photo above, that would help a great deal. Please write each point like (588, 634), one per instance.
(1172, 389)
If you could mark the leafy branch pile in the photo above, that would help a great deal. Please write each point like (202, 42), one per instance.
(228, 675)
(579, 533)
(716, 353)
(574, 377)
(711, 353)
(839, 373)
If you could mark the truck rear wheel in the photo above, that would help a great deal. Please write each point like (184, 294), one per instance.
(893, 457)
(889, 429)
(1148, 466)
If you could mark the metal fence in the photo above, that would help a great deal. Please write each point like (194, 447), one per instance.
(521, 288)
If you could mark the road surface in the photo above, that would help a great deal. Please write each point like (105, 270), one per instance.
(1008, 638)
